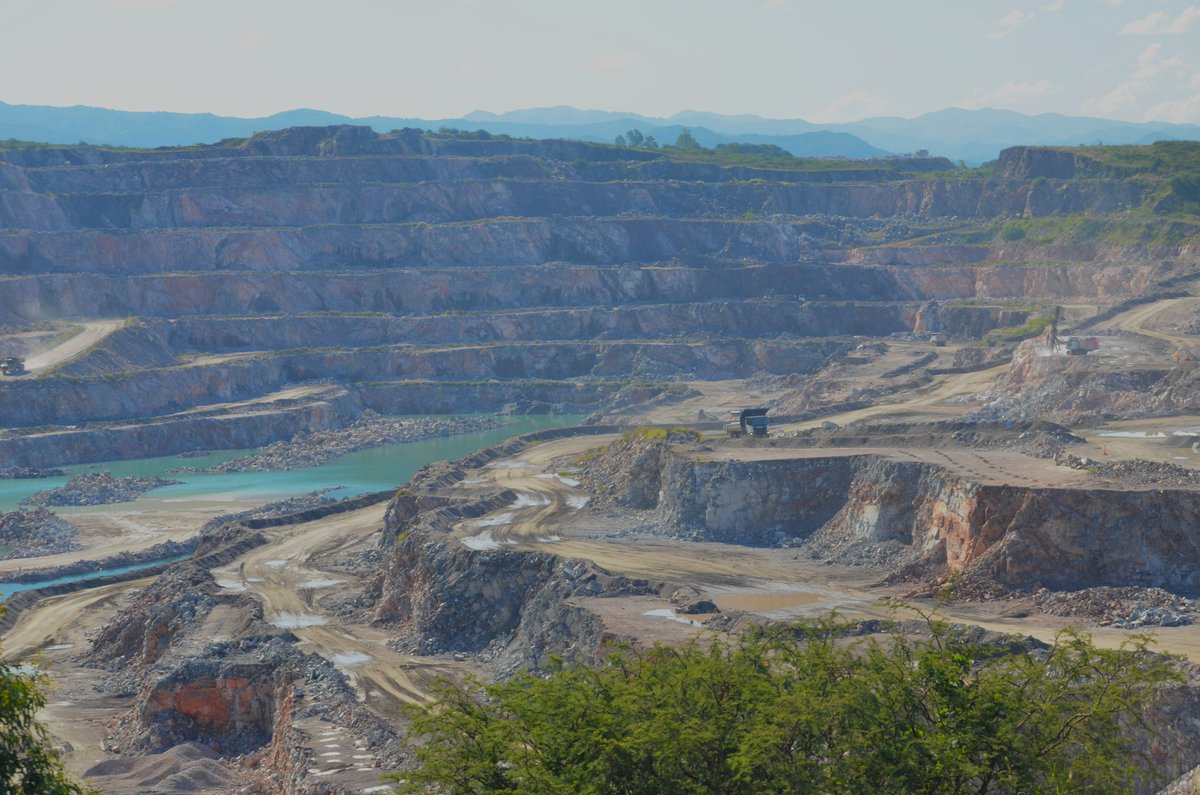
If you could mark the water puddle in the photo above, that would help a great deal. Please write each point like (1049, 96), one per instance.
(229, 585)
(350, 658)
(276, 564)
(1133, 435)
(297, 621)
(577, 501)
(669, 614)
(321, 583)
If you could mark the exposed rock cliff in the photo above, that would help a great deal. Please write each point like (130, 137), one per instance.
(864, 508)
(318, 255)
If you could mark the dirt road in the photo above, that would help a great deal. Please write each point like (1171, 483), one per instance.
(92, 333)
(285, 576)
(1147, 320)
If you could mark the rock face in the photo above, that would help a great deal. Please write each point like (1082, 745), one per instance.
(516, 608)
(1080, 388)
(419, 273)
(233, 702)
(628, 473)
(869, 509)
(140, 634)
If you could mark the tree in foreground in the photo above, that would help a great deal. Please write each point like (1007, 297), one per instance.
(28, 763)
(814, 707)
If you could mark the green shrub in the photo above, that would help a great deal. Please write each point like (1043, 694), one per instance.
(804, 708)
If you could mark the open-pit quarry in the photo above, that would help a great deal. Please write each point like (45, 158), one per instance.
(314, 289)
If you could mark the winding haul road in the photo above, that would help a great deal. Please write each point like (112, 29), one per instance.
(282, 574)
(93, 333)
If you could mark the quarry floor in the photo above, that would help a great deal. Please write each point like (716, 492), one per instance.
(296, 571)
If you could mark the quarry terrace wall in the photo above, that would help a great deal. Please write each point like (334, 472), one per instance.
(1015, 537)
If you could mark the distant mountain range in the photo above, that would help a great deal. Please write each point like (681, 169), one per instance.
(973, 136)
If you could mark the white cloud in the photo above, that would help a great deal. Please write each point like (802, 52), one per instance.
(1160, 88)
(775, 4)
(1012, 92)
(1114, 3)
(1054, 7)
(1185, 110)
(852, 107)
(1009, 22)
(612, 62)
(1160, 22)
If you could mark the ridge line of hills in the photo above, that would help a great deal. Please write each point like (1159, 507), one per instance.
(971, 136)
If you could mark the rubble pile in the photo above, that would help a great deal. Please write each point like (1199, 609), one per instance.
(628, 472)
(304, 502)
(1124, 608)
(1138, 472)
(30, 534)
(319, 447)
(99, 488)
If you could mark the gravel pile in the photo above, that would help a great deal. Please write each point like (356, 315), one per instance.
(1139, 472)
(319, 447)
(1119, 607)
(99, 488)
(304, 502)
(30, 534)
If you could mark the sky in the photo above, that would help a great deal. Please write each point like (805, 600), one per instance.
(821, 60)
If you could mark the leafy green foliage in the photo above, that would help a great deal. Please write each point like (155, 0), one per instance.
(28, 763)
(1032, 327)
(1012, 232)
(1140, 229)
(1163, 158)
(686, 142)
(807, 708)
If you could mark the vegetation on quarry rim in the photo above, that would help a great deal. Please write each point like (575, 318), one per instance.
(818, 706)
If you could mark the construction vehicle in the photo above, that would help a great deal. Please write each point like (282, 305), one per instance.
(752, 422)
(1082, 346)
(938, 341)
(1052, 337)
(13, 365)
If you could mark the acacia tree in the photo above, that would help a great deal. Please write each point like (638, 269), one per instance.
(807, 708)
(28, 763)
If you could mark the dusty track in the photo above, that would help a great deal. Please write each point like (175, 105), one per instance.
(285, 576)
(93, 332)
(1147, 318)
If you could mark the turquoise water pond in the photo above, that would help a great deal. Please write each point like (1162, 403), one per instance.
(357, 473)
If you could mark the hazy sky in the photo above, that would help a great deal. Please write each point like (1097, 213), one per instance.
(833, 60)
